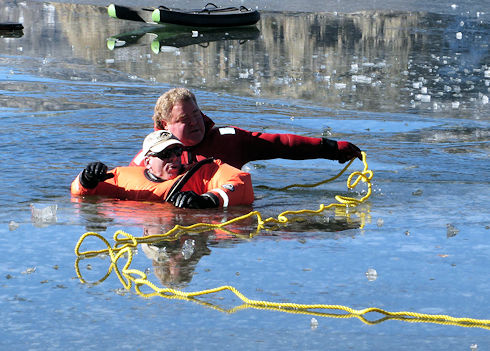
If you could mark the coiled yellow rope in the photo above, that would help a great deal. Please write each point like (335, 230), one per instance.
(125, 243)
(123, 240)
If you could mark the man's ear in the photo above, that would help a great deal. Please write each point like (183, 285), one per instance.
(163, 125)
(160, 125)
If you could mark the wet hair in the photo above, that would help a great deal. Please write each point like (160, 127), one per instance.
(166, 102)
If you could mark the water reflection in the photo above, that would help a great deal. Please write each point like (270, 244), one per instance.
(174, 262)
(163, 37)
(416, 61)
(11, 33)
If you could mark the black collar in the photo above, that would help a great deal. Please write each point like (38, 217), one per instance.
(150, 176)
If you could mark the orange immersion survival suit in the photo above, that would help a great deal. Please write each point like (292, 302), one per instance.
(231, 185)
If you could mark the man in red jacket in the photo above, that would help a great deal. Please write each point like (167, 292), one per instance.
(177, 111)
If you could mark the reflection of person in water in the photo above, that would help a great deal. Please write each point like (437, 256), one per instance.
(206, 184)
(174, 261)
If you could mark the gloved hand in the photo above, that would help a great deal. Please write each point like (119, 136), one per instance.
(347, 151)
(189, 199)
(341, 151)
(94, 173)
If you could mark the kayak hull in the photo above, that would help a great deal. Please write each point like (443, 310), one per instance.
(230, 18)
(206, 17)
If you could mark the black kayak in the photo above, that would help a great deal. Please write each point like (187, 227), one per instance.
(11, 30)
(209, 16)
(10, 26)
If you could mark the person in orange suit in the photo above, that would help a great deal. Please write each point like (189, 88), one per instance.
(206, 184)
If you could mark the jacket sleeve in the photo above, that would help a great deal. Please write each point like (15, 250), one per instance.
(78, 189)
(106, 188)
(243, 146)
(264, 146)
(231, 185)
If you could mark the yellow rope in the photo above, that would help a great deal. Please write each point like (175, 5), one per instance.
(128, 277)
(125, 243)
(123, 239)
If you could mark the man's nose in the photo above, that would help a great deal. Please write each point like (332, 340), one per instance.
(192, 121)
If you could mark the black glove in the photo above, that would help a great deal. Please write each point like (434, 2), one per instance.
(189, 199)
(341, 151)
(347, 151)
(94, 173)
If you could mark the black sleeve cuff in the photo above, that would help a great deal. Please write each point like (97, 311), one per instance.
(213, 199)
(330, 149)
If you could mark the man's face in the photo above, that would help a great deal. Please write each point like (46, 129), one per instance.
(186, 123)
(167, 167)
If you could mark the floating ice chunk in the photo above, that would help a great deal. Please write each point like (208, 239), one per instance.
(423, 90)
(380, 222)
(313, 324)
(484, 99)
(371, 274)
(417, 85)
(474, 347)
(361, 79)
(455, 104)
(109, 61)
(459, 35)
(188, 248)
(425, 98)
(487, 73)
(354, 67)
(13, 225)
(43, 216)
(340, 85)
(454, 6)
(29, 270)
(243, 75)
(195, 33)
(451, 230)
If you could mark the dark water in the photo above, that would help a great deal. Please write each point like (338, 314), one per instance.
(400, 85)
